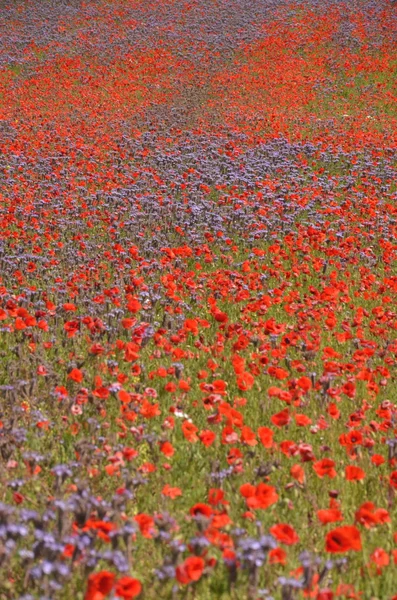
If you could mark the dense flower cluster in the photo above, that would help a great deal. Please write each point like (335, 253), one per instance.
(198, 291)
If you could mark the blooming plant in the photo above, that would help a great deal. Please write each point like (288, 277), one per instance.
(198, 292)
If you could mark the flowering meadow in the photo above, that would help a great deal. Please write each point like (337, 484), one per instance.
(198, 299)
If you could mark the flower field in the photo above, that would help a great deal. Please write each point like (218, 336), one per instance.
(198, 299)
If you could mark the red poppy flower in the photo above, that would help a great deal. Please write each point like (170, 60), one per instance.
(248, 436)
(171, 492)
(128, 323)
(18, 498)
(99, 585)
(247, 490)
(234, 456)
(325, 468)
(216, 496)
(201, 509)
(102, 527)
(123, 396)
(343, 539)
(245, 381)
(191, 326)
(393, 479)
(266, 436)
(304, 383)
(184, 385)
(277, 556)
(325, 594)
(229, 436)
(380, 559)
(148, 410)
(278, 373)
(189, 431)
(285, 534)
(333, 411)
(329, 515)
(76, 375)
(190, 570)
(146, 524)
(69, 307)
(353, 473)
(303, 420)
(127, 588)
(298, 473)
(134, 305)
(207, 437)
(19, 324)
(265, 496)
(354, 437)
(377, 459)
(369, 516)
(274, 391)
(131, 352)
(167, 449)
(220, 316)
(281, 419)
